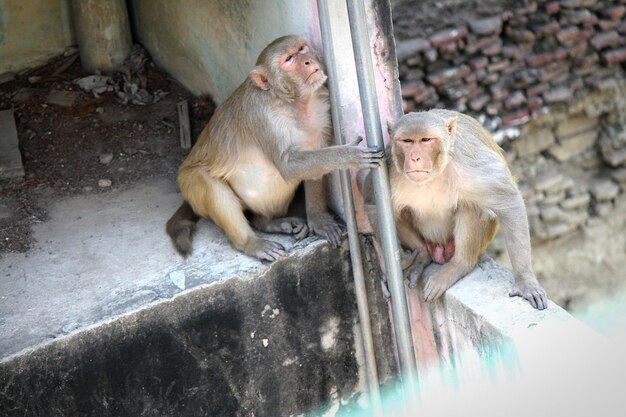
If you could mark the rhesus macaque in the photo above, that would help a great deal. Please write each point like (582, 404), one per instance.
(451, 188)
(261, 143)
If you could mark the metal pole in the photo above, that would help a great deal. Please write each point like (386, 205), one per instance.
(387, 229)
(371, 373)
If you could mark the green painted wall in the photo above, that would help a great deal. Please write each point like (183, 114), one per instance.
(31, 31)
(211, 45)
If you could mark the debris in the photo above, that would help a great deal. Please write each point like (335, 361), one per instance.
(65, 65)
(34, 79)
(10, 157)
(24, 94)
(70, 50)
(104, 183)
(99, 110)
(6, 77)
(96, 84)
(106, 158)
(62, 98)
(183, 121)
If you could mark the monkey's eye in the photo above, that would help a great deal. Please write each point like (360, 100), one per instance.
(289, 58)
(408, 140)
(426, 139)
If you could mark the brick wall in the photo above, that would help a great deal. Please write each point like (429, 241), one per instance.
(547, 78)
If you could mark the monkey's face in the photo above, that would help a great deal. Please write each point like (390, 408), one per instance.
(302, 65)
(421, 143)
(418, 156)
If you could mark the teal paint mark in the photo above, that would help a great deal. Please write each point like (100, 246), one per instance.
(4, 20)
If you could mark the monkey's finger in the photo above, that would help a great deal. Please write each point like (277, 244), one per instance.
(304, 232)
(333, 234)
(540, 299)
(358, 140)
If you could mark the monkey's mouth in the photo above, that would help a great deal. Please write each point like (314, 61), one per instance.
(315, 71)
(418, 171)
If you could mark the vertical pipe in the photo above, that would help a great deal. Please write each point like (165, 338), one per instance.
(371, 373)
(387, 230)
(103, 33)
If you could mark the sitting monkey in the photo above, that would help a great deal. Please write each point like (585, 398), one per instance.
(451, 188)
(261, 143)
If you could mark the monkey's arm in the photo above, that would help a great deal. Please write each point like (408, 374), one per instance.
(319, 220)
(514, 224)
(298, 165)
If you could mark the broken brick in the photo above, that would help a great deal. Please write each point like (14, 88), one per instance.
(614, 56)
(448, 35)
(604, 40)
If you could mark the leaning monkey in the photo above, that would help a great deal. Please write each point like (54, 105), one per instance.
(265, 139)
(451, 187)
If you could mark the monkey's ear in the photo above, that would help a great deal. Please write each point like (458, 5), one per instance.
(389, 127)
(451, 125)
(259, 77)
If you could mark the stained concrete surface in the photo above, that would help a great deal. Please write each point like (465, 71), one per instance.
(103, 255)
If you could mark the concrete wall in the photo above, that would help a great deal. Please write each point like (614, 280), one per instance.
(210, 46)
(31, 31)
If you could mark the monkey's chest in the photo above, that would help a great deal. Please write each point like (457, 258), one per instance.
(260, 186)
(433, 207)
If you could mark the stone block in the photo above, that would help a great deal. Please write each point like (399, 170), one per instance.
(604, 190)
(498, 66)
(567, 35)
(479, 102)
(493, 48)
(514, 100)
(603, 209)
(557, 95)
(546, 29)
(619, 175)
(410, 47)
(614, 56)
(574, 145)
(548, 182)
(478, 63)
(515, 119)
(605, 40)
(606, 25)
(537, 141)
(486, 26)
(552, 7)
(551, 213)
(575, 125)
(553, 198)
(616, 12)
(576, 201)
(576, 217)
(448, 35)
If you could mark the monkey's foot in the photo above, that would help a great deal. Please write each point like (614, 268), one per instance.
(438, 278)
(265, 250)
(324, 225)
(531, 291)
(288, 225)
(413, 264)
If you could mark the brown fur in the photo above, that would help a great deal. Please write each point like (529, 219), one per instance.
(266, 138)
(451, 188)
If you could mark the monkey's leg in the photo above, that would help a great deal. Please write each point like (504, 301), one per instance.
(320, 221)
(287, 225)
(473, 231)
(417, 258)
(213, 199)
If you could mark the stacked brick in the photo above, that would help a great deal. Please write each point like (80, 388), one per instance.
(558, 64)
(513, 64)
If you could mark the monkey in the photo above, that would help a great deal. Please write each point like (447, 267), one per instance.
(266, 138)
(451, 191)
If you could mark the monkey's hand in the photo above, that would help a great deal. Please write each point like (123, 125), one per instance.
(413, 263)
(360, 157)
(324, 225)
(532, 291)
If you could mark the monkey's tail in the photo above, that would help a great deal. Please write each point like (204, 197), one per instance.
(180, 227)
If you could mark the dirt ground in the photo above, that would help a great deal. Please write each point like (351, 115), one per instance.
(95, 145)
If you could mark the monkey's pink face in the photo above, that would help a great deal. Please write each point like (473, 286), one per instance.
(299, 61)
(419, 154)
